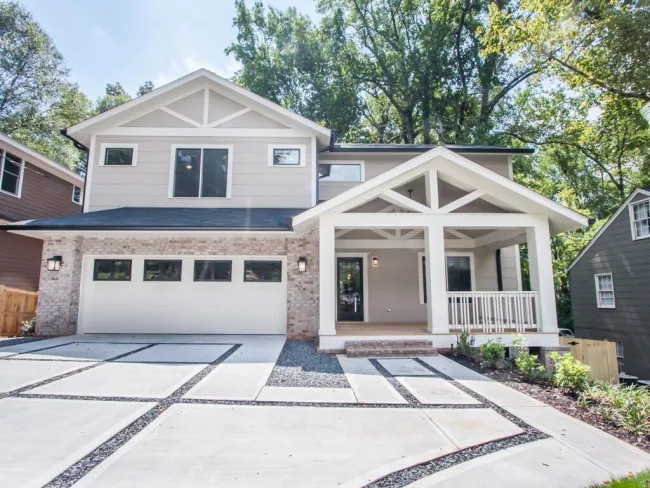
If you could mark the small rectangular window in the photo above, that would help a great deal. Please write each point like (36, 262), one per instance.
(163, 270)
(118, 156)
(212, 270)
(112, 270)
(340, 172)
(605, 290)
(263, 271)
(286, 157)
(76, 194)
(11, 175)
(640, 219)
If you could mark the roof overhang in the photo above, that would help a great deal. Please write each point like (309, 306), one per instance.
(514, 195)
(146, 233)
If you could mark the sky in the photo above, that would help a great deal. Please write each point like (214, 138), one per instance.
(132, 41)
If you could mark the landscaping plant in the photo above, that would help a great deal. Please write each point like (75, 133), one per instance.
(464, 343)
(570, 373)
(627, 406)
(528, 364)
(492, 352)
(28, 327)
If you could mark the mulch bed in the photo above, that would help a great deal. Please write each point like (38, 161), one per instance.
(555, 397)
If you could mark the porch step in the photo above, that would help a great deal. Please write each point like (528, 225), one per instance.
(388, 348)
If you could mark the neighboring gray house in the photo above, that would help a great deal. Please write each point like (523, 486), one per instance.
(211, 210)
(610, 285)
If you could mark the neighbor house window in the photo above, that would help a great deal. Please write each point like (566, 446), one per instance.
(261, 271)
(286, 155)
(162, 270)
(459, 274)
(12, 173)
(112, 270)
(118, 154)
(212, 270)
(620, 356)
(640, 217)
(76, 194)
(342, 172)
(605, 290)
(201, 172)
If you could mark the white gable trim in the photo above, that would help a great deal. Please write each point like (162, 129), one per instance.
(222, 82)
(412, 169)
(620, 209)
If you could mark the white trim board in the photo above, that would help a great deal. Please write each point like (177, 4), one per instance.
(607, 224)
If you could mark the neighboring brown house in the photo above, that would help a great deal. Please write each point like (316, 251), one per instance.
(31, 187)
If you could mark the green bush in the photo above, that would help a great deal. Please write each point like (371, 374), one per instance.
(528, 364)
(625, 406)
(492, 352)
(570, 373)
(464, 343)
(28, 327)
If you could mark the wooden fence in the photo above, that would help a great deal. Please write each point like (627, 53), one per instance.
(599, 355)
(15, 306)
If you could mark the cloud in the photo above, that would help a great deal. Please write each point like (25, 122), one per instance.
(189, 64)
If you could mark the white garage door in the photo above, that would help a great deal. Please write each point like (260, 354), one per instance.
(184, 295)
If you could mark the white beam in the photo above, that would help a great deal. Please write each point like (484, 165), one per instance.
(327, 266)
(497, 236)
(437, 306)
(418, 220)
(461, 202)
(391, 196)
(411, 234)
(206, 106)
(341, 233)
(388, 209)
(230, 117)
(385, 234)
(399, 244)
(455, 233)
(541, 274)
(200, 132)
(180, 116)
(431, 188)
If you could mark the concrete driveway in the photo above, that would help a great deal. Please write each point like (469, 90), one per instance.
(244, 411)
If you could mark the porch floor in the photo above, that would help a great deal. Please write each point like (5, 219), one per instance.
(379, 329)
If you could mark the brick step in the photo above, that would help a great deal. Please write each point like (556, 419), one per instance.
(389, 343)
(389, 350)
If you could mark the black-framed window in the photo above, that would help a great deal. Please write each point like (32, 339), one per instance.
(76, 194)
(212, 270)
(118, 156)
(286, 156)
(12, 168)
(459, 274)
(163, 269)
(263, 271)
(340, 172)
(201, 173)
(112, 270)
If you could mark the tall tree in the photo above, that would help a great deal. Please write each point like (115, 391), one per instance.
(115, 95)
(145, 88)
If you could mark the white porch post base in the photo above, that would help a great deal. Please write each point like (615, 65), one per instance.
(437, 307)
(541, 274)
(327, 254)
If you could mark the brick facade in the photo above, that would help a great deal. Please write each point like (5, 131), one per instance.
(59, 290)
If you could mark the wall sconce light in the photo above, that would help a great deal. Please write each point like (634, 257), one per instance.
(302, 264)
(375, 262)
(54, 263)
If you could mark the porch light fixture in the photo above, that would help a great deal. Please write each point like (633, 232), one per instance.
(302, 264)
(54, 263)
(375, 262)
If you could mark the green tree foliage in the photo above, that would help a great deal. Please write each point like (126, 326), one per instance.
(115, 95)
(145, 88)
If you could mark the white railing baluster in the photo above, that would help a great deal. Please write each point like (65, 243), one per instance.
(493, 312)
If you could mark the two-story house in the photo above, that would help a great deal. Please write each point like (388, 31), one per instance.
(212, 210)
(610, 281)
(31, 187)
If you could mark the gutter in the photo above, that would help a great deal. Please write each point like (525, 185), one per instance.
(28, 228)
(81, 147)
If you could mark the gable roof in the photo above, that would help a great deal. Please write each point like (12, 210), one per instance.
(40, 161)
(562, 218)
(210, 77)
(624, 205)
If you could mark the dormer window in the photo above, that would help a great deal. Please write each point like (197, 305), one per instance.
(640, 219)
(287, 155)
(201, 171)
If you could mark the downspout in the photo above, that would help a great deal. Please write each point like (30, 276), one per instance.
(81, 147)
(328, 148)
(499, 271)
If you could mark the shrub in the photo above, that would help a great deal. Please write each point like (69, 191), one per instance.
(28, 327)
(492, 352)
(625, 406)
(570, 373)
(464, 343)
(528, 364)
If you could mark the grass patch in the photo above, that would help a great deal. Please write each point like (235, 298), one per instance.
(641, 480)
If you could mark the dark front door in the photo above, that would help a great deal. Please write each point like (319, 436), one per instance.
(350, 289)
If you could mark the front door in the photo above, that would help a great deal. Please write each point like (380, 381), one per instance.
(350, 289)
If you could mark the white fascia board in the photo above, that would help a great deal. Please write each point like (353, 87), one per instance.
(144, 234)
(44, 163)
(620, 209)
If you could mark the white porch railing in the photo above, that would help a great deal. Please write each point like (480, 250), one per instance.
(493, 311)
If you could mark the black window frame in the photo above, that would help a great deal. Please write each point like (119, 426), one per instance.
(220, 261)
(117, 148)
(167, 261)
(275, 149)
(263, 261)
(201, 170)
(96, 262)
(423, 284)
(4, 155)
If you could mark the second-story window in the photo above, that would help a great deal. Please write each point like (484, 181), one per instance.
(118, 154)
(202, 172)
(76, 194)
(287, 155)
(11, 174)
(640, 217)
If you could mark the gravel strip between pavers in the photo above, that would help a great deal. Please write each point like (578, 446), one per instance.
(20, 340)
(299, 365)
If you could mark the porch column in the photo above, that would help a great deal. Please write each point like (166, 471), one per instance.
(327, 256)
(540, 262)
(437, 304)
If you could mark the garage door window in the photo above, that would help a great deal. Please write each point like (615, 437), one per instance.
(212, 270)
(162, 270)
(112, 270)
(263, 271)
